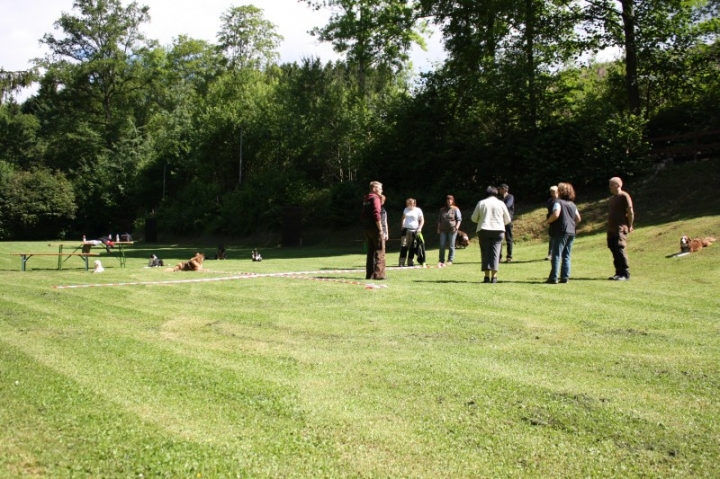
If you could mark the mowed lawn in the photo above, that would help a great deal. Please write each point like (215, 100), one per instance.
(434, 375)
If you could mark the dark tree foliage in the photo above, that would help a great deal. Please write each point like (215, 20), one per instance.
(220, 139)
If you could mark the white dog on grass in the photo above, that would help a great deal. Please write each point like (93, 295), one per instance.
(98, 267)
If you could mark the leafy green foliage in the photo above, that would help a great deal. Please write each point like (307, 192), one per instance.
(36, 204)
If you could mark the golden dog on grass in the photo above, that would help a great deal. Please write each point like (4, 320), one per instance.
(194, 264)
(694, 244)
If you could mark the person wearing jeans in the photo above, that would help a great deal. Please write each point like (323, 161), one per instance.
(562, 220)
(449, 221)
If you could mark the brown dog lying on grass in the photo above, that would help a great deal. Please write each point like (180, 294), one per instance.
(695, 244)
(194, 264)
(462, 240)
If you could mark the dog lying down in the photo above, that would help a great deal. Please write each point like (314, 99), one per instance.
(194, 264)
(98, 267)
(693, 245)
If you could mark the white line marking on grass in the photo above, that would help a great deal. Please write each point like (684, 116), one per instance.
(235, 276)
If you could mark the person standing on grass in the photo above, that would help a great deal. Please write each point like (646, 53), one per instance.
(371, 218)
(491, 216)
(509, 200)
(563, 222)
(448, 225)
(412, 223)
(620, 224)
(549, 206)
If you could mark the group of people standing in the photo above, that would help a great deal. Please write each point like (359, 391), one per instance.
(494, 216)
(563, 217)
(374, 220)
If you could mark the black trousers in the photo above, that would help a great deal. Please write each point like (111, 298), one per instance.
(508, 240)
(617, 242)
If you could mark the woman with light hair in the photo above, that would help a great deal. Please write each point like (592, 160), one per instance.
(491, 216)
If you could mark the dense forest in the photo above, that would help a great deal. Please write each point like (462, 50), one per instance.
(219, 138)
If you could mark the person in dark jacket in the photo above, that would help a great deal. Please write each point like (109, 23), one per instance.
(562, 220)
(509, 200)
(371, 218)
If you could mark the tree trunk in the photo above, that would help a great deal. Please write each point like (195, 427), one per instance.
(631, 75)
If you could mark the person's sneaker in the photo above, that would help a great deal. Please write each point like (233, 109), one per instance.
(548, 257)
(551, 281)
(619, 278)
(494, 280)
(486, 280)
(449, 263)
(509, 260)
(441, 265)
(564, 280)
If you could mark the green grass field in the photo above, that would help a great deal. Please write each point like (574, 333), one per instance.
(436, 375)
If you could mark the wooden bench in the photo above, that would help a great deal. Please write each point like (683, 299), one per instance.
(24, 257)
(119, 252)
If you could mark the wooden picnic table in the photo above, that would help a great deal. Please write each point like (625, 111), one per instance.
(24, 257)
(119, 250)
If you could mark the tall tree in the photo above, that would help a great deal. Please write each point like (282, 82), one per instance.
(646, 31)
(91, 103)
(248, 40)
(372, 32)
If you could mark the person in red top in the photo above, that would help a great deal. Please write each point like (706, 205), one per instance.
(371, 218)
(620, 224)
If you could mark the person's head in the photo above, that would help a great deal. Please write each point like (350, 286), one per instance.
(615, 185)
(376, 187)
(449, 200)
(491, 191)
(410, 203)
(566, 191)
(554, 191)
(503, 189)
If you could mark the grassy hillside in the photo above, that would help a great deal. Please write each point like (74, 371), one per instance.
(138, 372)
(683, 193)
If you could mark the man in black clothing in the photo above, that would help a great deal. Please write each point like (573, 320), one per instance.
(509, 201)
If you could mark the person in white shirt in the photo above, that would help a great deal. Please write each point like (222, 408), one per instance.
(412, 223)
(491, 216)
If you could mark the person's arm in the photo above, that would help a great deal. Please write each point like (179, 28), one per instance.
(475, 217)
(578, 219)
(458, 218)
(509, 201)
(630, 217)
(421, 222)
(555, 214)
(506, 215)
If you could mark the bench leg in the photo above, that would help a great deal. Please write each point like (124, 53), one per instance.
(85, 258)
(23, 259)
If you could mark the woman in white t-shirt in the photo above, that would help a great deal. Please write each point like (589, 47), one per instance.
(412, 223)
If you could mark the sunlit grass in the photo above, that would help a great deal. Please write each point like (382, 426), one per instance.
(436, 375)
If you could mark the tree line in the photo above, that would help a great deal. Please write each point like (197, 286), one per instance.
(219, 138)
